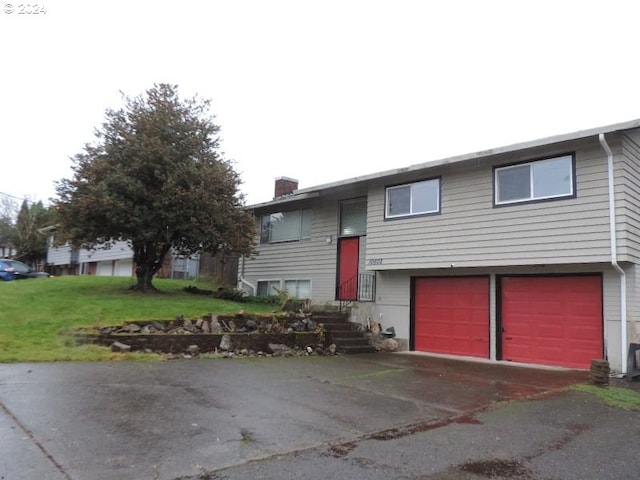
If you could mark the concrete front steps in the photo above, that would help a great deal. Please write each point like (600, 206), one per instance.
(344, 334)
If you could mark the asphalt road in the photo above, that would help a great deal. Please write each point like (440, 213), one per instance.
(381, 416)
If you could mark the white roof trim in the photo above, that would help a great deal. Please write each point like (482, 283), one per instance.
(593, 132)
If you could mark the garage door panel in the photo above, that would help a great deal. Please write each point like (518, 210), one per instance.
(552, 320)
(451, 315)
(549, 332)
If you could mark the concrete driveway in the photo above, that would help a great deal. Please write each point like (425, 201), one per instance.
(399, 416)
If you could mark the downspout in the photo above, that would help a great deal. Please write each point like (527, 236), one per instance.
(614, 256)
(242, 281)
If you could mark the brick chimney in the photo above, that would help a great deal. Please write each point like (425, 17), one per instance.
(285, 186)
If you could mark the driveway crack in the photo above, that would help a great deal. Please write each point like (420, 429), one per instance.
(33, 438)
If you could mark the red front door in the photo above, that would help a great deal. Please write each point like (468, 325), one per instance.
(348, 254)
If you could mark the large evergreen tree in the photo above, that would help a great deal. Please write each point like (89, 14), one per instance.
(156, 178)
(8, 214)
(30, 244)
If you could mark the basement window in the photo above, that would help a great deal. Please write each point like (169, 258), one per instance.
(268, 287)
(298, 288)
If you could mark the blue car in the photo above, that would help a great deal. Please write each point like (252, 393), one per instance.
(15, 270)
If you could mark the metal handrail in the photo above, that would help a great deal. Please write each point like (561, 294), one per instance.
(359, 288)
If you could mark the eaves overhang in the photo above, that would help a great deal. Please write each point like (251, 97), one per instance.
(312, 192)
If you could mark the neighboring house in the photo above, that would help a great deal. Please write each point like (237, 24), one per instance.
(116, 261)
(527, 253)
(7, 251)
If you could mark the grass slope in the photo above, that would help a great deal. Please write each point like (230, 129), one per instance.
(36, 316)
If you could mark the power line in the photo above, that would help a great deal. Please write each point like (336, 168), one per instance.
(23, 199)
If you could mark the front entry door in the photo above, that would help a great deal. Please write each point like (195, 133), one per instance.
(348, 255)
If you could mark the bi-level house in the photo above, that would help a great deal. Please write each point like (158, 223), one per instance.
(527, 253)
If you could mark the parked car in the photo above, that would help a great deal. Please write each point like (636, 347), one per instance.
(15, 270)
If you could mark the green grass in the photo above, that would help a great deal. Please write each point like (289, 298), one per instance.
(37, 316)
(613, 396)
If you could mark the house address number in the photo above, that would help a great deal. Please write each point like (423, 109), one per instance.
(375, 261)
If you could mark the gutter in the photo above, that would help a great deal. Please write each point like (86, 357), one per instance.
(614, 256)
(242, 281)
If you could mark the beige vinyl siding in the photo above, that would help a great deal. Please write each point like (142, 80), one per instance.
(471, 232)
(312, 259)
(362, 254)
(633, 310)
(393, 293)
(627, 174)
(612, 316)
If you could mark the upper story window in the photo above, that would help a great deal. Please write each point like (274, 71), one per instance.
(539, 180)
(286, 226)
(353, 217)
(413, 199)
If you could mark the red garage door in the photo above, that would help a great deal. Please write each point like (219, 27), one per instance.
(552, 320)
(451, 315)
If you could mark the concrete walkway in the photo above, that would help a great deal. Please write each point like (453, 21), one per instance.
(398, 416)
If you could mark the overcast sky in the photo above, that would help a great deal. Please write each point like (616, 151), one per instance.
(315, 90)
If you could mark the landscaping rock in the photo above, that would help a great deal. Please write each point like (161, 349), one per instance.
(205, 327)
(215, 326)
(158, 326)
(193, 349)
(332, 349)
(120, 347)
(298, 326)
(251, 325)
(388, 345)
(132, 328)
(225, 343)
(189, 326)
(279, 349)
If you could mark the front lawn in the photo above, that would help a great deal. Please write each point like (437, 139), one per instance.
(37, 316)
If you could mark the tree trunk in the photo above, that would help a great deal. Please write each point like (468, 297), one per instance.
(148, 257)
(145, 279)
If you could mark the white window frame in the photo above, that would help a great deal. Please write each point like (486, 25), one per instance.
(532, 185)
(412, 190)
(284, 284)
(305, 215)
(268, 281)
